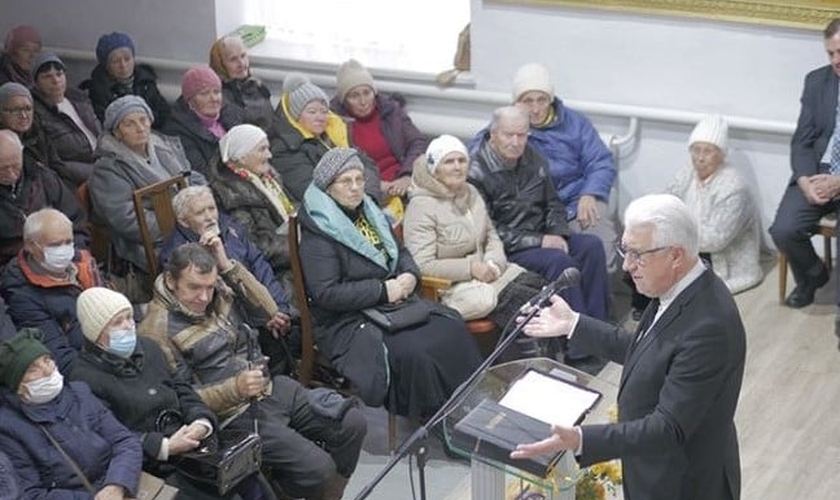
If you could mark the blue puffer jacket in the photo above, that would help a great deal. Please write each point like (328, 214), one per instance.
(578, 161)
(104, 449)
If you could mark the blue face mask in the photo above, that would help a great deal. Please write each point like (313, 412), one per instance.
(122, 342)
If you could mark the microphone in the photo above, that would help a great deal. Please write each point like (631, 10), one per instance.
(569, 278)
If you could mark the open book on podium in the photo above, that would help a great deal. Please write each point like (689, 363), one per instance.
(531, 404)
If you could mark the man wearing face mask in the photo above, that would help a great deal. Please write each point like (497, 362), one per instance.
(42, 283)
(25, 187)
(39, 410)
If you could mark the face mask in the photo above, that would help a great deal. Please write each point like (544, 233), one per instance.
(58, 259)
(122, 342)
(43, 390)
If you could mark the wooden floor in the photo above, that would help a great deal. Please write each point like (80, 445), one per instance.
(789, 432)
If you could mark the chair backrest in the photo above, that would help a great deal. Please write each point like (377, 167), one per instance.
(307, 350)
(158, 197)
(100, 245)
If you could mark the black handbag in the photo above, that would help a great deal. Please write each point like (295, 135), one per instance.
(394, 317)
(225, 461)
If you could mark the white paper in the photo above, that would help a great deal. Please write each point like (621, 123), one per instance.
(547, 399)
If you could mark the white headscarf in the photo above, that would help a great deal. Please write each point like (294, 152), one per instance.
(239, 141)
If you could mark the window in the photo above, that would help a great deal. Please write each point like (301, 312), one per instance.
(418, 36)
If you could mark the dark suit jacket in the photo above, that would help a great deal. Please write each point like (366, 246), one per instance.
(679, 389)
(816, 122)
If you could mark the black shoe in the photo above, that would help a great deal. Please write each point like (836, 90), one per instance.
(801, 296)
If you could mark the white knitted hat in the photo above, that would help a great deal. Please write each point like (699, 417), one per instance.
(532, 76)
(712, 129)
(95, 307)
(440, 147)
(351, 74)
(239, 141)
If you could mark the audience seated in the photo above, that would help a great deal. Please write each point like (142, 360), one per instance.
(529, 217)
(26, 187)
(117, 74)
(450, 235)
(306, 129)
(17, 114)
(229, 59)
(198, 315)
(9, 489)
(131, 156)
(352, 262)
(730, 233)
(379, 126)
(19, 50)
(65, 115)
(39, 413)
(42, 283)
(248, 188)
(200, 117)
(131, 375)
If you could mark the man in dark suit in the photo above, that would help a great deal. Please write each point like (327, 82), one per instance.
(815, 184)
(682, 371)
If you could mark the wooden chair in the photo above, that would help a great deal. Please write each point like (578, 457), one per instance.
(100, 245)
(158, 197)
(313, 362)
(827, 228)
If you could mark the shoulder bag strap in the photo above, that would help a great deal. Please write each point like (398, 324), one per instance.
(72, 463)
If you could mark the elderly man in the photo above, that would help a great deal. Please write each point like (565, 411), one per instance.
(813, 189)
(199, 320)
(42, 283)
(26, 187)
(683, 367)
(530, 219)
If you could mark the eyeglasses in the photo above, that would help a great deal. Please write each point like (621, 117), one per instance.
(21, 110)
(635, 257)
(351, 182)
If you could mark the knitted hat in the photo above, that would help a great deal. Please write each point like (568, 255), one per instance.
(12, 89)
(17, 353)
(119, 108)
(96, 306)
(239, 141)
(712, 129)
(351, 74)
(19, 35)
(198, 79)
(440, 147)
(532, 76)
(301, 92)
(109, 43)
(43, 59)
(335, 162)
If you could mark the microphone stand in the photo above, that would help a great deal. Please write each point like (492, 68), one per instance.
(416, 442)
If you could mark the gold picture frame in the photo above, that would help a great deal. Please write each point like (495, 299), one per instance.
(809, 14)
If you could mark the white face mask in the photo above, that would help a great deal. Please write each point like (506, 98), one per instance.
(43, 390)
(58, 259)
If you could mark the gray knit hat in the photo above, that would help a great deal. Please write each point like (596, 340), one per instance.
(12, 89)
(42, 60)
(119, 108)
(302, 92)
(350, 75)
(335, 162)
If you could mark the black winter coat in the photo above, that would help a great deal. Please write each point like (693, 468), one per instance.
(200, 145)
(103, 89)
(252, 99)
(67, 138)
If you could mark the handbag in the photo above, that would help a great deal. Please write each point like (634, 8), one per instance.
(231, 457)
(397, 316)
(473, 299)
(148, 488)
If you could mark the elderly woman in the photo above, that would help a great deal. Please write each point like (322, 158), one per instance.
(42, 419)
(229, 59)
(117, 74)
(730, 233)
(200, 117)
(450, 235)
(354, 264)
(306, 129)
(19, 50)
(17, 114)
(65, 114)
(247, 187)
(131, 156)
(379, 125)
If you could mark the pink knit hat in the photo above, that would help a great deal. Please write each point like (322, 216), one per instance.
(197, 79)
(19, 35)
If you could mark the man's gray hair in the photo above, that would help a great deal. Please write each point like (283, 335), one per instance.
(33, 226)
(509, 112)
(183, 198)
(671, 220)
(10, 137)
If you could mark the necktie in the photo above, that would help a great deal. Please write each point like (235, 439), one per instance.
(834, 160)
(647, 319)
